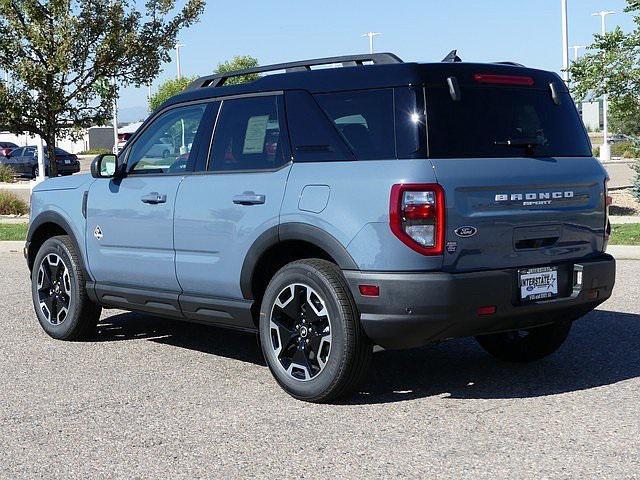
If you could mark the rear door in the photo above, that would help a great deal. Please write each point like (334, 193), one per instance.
(521, 185)
(236, 198)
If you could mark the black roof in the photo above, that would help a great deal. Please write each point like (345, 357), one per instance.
(359, 76)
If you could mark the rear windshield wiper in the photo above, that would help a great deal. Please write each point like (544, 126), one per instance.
(528, 143)
(520, 142)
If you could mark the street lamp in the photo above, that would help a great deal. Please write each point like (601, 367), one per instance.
(605, 150)
(575, 51)
(565, 43)
(371, 35)
(178, 47)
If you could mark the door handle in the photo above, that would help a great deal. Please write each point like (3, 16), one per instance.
(249, 199)
(154, 198)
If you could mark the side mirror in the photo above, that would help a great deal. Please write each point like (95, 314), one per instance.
(105, 166)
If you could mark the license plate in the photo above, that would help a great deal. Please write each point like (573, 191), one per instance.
(67, 162)
(538, 283)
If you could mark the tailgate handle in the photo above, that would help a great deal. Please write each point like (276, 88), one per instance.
(533, 243)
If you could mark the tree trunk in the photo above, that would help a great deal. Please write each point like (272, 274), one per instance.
(50, 138)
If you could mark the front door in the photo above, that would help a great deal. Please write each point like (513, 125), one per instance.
(130, 220)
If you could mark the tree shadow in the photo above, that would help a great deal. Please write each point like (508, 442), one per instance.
(619, 210)
(602, 349)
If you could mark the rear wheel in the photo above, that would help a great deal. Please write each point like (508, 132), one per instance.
(526, 345)
(58, 291)
(310, 333)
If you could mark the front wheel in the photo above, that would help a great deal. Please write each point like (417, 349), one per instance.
(310, 332)
(526, 345)
(58, 290)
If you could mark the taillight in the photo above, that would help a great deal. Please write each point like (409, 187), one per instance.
(416, 215)
(503, 79)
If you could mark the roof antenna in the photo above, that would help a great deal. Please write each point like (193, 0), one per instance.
(452, 57)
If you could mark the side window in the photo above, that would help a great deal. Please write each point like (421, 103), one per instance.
(314, 138)
(248, 135)
(365, 119)
(17, 152)
(165, 146)
(29, 152)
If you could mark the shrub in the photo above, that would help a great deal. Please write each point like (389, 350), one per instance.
(7, 174)
(10, 204)
(624, 150)
(596, 151)
(96, 151)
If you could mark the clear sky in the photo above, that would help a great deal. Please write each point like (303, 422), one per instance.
(526, 31)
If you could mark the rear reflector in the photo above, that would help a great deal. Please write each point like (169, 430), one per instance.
(369, 290)
(503, 79)
(488, 310)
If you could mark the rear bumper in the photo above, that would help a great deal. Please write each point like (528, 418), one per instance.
(416, 308)
(71, 168)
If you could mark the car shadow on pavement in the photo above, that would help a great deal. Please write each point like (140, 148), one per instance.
(602, 349)
(202, 338)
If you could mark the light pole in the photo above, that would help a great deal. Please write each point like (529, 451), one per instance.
(178, 47)
(605, 150)
(575, 51)
(565, 43)
(371, 35)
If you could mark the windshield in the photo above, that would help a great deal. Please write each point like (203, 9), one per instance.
(503, 122)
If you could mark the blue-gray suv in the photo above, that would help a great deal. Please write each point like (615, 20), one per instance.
(375, 202)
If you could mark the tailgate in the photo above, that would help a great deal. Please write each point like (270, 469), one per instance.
(512, 212)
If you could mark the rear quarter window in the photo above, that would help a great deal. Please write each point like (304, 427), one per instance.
(365, 119)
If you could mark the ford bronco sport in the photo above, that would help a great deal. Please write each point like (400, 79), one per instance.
(333, 209)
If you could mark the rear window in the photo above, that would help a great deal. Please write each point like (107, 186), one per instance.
(503, 122)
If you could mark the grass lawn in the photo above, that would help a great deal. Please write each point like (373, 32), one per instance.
(625, 234)
(13, 231)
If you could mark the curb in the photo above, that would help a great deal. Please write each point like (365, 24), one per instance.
(624, 252)
(11, 246)
(624, 219)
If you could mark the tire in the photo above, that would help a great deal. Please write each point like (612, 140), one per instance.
(324, 355)
(59, 261)
(34, 172)
(526, 345)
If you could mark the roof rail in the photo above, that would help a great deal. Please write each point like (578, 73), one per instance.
(219, 79)
(513, 64)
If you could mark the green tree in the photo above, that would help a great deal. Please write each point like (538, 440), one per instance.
(239, 62)
(624, 115)
(63, 54)
(168, 89)
(612, 66)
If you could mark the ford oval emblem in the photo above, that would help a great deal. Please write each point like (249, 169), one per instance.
(466, 232)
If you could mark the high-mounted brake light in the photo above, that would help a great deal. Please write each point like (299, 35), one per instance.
(417, 216)
(503, 79)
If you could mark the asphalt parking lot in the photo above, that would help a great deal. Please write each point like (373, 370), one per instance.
(151, 398)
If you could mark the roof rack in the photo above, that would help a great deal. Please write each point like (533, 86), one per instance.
(219, 79)
(513, 64)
